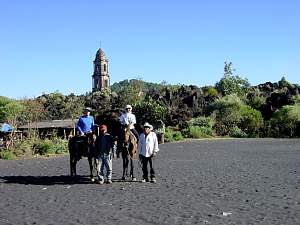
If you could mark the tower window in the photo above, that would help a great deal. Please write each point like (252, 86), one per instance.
(104, 67)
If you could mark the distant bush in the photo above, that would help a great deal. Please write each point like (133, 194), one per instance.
(56, 146)
(171, 135)
(7, 154)
(237, 132)
(199, 127)
(201, 121)
(197, 132)
(286, 121)
(251, 120)
(24, 147)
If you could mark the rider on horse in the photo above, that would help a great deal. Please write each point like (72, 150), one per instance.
(86, 124)
(128, 119)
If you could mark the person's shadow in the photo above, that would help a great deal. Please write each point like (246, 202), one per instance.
(46, 180)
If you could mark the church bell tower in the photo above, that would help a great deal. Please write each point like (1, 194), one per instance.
(100, 76)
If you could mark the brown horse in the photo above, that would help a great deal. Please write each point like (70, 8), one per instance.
(128, 148)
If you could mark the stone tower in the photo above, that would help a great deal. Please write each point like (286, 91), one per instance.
(100, 76)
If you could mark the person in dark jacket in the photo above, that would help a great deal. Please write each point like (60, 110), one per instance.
(105, 149)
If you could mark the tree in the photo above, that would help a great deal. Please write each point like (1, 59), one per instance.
(226, 112)
(286, 120)
(150, 111)
(74, 107)
(251, 120)
(54, 104)
(232, 84)
(3, 101)
(12, 112)
(34, 111)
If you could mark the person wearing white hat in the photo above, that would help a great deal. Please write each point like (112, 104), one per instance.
(147, 149)
(128, 119)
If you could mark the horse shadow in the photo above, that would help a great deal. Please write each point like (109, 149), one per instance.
(46, 180)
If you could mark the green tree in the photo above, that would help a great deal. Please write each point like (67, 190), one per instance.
(226, 112)
(286, 120)
(132, 93)
(251, 120)
(73, 107)
(232, 84)
(3, 101)
(54, 104)
(150, 111)
(12, 112)
(34, 111)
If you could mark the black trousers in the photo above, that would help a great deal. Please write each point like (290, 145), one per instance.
(145, 161)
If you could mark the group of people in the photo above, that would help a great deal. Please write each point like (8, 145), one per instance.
(105, 143)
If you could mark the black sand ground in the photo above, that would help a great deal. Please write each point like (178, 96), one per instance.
(244, 181)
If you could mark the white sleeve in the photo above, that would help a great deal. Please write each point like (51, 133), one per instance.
(133, 119)
(155, 142)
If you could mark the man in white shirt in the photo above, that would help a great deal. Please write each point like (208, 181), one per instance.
(147, 149)
(128, 119)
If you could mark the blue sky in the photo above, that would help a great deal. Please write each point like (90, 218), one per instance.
(48, 46)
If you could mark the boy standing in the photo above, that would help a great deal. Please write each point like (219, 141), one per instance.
(105, 149)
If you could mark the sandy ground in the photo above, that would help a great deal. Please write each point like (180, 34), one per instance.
(240, 181)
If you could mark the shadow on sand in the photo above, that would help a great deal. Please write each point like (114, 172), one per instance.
(46, 180)
(54, 180)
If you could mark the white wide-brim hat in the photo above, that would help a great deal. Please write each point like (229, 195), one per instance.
(148, 125)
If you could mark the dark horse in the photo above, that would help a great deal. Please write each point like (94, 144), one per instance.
(82, 146)
(127, 146)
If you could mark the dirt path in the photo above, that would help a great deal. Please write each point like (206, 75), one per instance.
(243, 181)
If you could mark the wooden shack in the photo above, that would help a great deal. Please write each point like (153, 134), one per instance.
(61, 128)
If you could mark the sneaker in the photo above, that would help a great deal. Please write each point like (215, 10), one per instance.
(145, 180)
(101, 181)
(109, 181)
(153, 180)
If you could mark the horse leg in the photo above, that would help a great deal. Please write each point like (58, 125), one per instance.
(73, 166)
(131, 170)
(125, 167)
(90, 159)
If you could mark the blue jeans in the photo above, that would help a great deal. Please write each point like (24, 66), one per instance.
(105, 162)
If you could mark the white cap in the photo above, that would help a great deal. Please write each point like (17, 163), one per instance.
(128, 107)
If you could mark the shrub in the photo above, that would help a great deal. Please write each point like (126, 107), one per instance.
(286, 120)
(251, 120)
(177, 136)
(201, 121)
(60, 146)
(6, 154)
(55, 146)
(171, 135)
(168, 136)
(24, 147)
(237, 132)
(43, 147)
(198, 132)
(227, 113)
